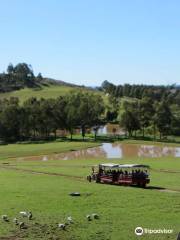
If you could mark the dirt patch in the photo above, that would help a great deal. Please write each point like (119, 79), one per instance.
(39, 231)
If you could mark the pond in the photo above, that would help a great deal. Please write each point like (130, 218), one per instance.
(114, 150)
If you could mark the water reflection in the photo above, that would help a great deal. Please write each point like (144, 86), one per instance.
(114, 150)
(156, 151)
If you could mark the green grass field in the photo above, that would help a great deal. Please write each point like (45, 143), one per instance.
(46, 92)
(51, 91)
(44, 188)
(33, 149)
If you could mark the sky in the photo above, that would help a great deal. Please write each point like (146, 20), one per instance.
(89, 41)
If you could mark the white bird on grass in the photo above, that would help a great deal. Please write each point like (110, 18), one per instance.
(69, 219)
(88, 217)
(26, 214)
(15, 220)
(23, 214)
(62, 226)
(5, 218)
(30, 215)
(22, 225)
(95, 216)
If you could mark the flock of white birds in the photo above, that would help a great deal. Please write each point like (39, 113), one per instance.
(29, 216)
(70, 220)
(16, 221)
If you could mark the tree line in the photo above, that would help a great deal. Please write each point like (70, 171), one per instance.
(39, 119)
(149, 118)
(19, 76)
(157, 93)
(155, 111)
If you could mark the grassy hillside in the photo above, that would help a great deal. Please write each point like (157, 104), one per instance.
(51, 91)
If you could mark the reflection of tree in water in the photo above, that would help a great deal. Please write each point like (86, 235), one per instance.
(115, 150)
(155, 151)
(129, 150)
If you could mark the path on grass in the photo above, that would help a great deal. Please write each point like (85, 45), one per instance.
(78, 178)
(165, 170)
(42, 172)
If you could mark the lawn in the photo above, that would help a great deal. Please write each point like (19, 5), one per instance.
(33, 149)
(151, 142)
(121, 209)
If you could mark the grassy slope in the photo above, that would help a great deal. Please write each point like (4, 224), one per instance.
(121, 208)
(46, 92)
(52, 91)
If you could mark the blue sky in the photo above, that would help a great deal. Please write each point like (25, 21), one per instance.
(88, 41)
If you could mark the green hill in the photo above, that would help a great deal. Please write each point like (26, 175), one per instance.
(20, 81)
(49, 91)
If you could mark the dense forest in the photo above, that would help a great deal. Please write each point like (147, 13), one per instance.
(156, 93)
(140, 110)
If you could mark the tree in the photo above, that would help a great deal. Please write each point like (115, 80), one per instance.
(146, 112)
(39, 77)
(90, 110)
(83, 110)
(47, 124)
(10, 69)
(111, 115)
(130, 121)
(72, 116)
(33, 118)
(24, 74)
(10, 121)
(175, 109)
(163, 119)
(60, 113)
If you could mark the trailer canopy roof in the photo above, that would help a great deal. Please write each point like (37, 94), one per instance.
(113, 165)
(109, 165)
(133, 166)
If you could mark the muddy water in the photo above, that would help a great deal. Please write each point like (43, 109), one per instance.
(113, 150)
